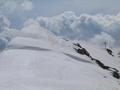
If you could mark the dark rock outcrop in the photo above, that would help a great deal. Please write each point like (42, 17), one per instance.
(116, 75)
(109, 51)
(83, 51)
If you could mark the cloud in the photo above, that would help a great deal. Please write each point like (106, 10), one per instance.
(72, 26)
(6, 33)
(60, 25)
(12, 6)
(6, 36)
(83, 27)
(100, 39)
(93, 28)
(4, 23)
(32, 29)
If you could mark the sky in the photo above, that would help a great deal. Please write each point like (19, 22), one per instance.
(90, 20)
(53, 7)
(20, 10)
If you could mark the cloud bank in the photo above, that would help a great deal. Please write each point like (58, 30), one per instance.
(96, 29)
(93, 28)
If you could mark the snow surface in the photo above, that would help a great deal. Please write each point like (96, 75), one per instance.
(38, 60)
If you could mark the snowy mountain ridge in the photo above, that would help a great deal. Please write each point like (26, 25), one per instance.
(38, 60)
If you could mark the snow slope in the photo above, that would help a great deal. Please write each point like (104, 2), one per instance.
(38, 60)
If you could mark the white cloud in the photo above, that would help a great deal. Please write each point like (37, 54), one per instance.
(83, 27)
(4, 23)
(101, 38)
(93, 28)
(72, 26)
(60, 25)
(32, 29)
(6, 33)
(6, 36)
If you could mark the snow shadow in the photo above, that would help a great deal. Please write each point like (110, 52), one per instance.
(77, 58)
(28, 48)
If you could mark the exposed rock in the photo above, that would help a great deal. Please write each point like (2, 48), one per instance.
(83, 51)
(109, 51)
(116, 75)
